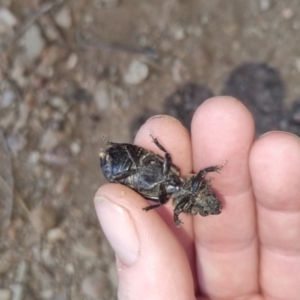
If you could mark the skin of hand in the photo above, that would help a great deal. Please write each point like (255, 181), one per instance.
(250, 251)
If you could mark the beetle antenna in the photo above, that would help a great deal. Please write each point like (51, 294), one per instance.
(107, 142)
(223, 165)
(151, 135)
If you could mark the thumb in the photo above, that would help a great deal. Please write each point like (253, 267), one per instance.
(151, 262)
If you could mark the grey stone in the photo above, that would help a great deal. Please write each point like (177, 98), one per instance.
(56, 235)
(265, 5)
(136, 73)
(7, 18)
(7, 98)
(33, 42)
(63, 18)
(5, 294)
(102, 96)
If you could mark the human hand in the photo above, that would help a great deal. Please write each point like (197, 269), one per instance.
(250, 251)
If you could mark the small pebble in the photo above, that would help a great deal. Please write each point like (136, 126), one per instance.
(296, 117)
(136, 73)
(70, 269)
(84, 251)
(47, 294)
(102, 96)
(63, 183)
(16, 142)
(56, 235)
(63, 18)
(45, 113)
(53, 54)
(75, 148)
(297, 64)
(50, 32)
(51, 139)
(59, 103)
(5, 294)
(177, 32)
(33, 42)
(7, 18)
(34, 157)
(7, 98)
(48, 174)
(44, 72)
(296, 25)
(43, 217)
(18, 70)
(287, 13)
(96, 286)
(176, 71)
(265, 5)
(88, 19)
(72, 61)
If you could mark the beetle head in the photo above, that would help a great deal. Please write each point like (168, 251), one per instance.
(207, 204)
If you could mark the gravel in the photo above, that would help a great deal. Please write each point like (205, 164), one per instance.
(136, 73)
(33, 42)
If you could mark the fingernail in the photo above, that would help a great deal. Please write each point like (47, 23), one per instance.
(163, 117)
(278, 131)
(119, 229)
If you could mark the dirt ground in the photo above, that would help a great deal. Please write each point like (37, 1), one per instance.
(71, 71)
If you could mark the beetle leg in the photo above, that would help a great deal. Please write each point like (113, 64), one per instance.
(162, 195)
(123, 175)
(156, 142)
(132, 155)
(201, 174)
(179, 208)
(167, 160)
(151, 207)
(162, 198)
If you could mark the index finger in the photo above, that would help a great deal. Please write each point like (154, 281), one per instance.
(174, 137)
(226, 244)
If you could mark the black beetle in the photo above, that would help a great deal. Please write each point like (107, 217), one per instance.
(158, 179)
(195, 196)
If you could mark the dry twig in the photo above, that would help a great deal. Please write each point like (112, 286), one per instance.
(42, 10)
(18, 287)
(103, 46)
